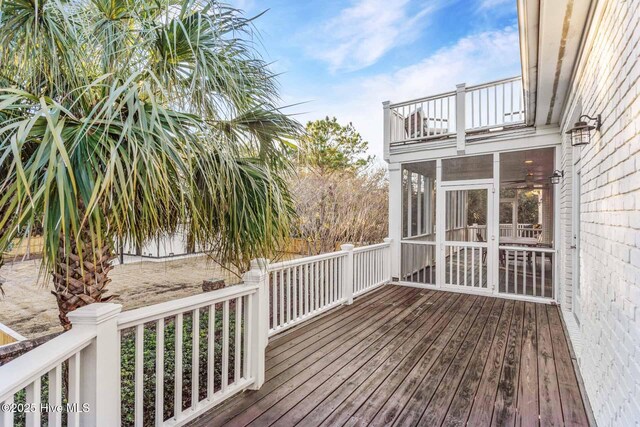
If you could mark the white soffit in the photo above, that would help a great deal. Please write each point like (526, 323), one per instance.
(551, 32)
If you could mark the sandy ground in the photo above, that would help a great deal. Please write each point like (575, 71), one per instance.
(30, 309)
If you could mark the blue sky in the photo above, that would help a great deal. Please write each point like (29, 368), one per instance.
(344, 57)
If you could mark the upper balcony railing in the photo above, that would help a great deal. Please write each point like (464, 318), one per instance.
(482, 107)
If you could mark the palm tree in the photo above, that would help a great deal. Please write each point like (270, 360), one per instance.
(126, 119)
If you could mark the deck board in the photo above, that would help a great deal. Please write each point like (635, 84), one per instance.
(409, 356)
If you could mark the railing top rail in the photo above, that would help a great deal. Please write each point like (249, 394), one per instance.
(527, 249)
(305, 260)
(453, 92)
(422, 99)
(371, 247)
(494, 83)
(22, 371)
(150, 313)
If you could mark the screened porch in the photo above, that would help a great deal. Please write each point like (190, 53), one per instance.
(480, 224)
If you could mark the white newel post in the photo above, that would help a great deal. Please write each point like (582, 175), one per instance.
(386, 129)
(461, 118)
(348, 273)
(395, 216)
(387, 262)
(99, 364)
(259, 319)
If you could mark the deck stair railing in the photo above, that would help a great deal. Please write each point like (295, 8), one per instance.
(168, 363)
(468, 109)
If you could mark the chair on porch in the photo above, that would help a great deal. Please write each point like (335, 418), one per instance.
(480, 239)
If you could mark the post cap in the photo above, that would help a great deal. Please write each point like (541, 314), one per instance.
(387, 240)
(94, 314)
(259, 264)
(347, 247)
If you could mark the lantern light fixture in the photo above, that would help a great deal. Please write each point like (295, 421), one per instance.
(581, 130)
(555, 178)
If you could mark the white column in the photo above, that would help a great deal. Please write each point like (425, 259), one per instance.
(386, 129)
(99, 364)
(259, 319)
(387, 265)
(461, 118)
(419, 204)
(348, 272)
(395, 216)
(440, 225)
(493, 268)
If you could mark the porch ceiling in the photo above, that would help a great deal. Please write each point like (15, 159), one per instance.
(513, 166)
(551, 34)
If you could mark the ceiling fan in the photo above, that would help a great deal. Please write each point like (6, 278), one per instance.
(528, 182)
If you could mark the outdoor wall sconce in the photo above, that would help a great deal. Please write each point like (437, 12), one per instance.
(581, 130)
(555, 178)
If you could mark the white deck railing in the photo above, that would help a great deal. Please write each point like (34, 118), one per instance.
(467, 109)
(168, 363)
(306, 287)
(506, 230)
(526, 271)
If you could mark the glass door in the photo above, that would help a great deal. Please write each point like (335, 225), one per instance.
(467, 232)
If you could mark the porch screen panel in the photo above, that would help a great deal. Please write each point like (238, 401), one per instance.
(418, 254)
(418, 201)
(467, 168)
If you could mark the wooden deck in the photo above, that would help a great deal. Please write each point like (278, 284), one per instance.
(407, 356)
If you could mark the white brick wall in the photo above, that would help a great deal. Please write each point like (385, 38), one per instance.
(607, 82)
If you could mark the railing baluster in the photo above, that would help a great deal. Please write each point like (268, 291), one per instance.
(515, 271)
(506, 263)
(139, 375)
(511, 103)
(273, 290)
(480, 256)
(237, 351)
(295, 292)
(289, 284)
(457, 265)
(533, 268)
(315, 286)
(225, 346)
(159, 401)
(55, 396)
(281, 287)
(473, 267)
(331, 281)
(544, 267)
(466, 283)
(323, 281)
(195, 358)
(211, 354)
(6, 417)
(33, 397)
(248, 347)
(495, 105)
(525, 259)
(177, 390)
(73, 393)
(307, 290)
(421, 119)
(486, 90)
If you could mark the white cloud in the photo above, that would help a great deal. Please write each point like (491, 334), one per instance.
(245, 5)
(490, 4)
(362, 33)
(473, 59)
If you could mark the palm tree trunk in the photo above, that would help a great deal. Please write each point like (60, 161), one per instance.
(77, 285)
